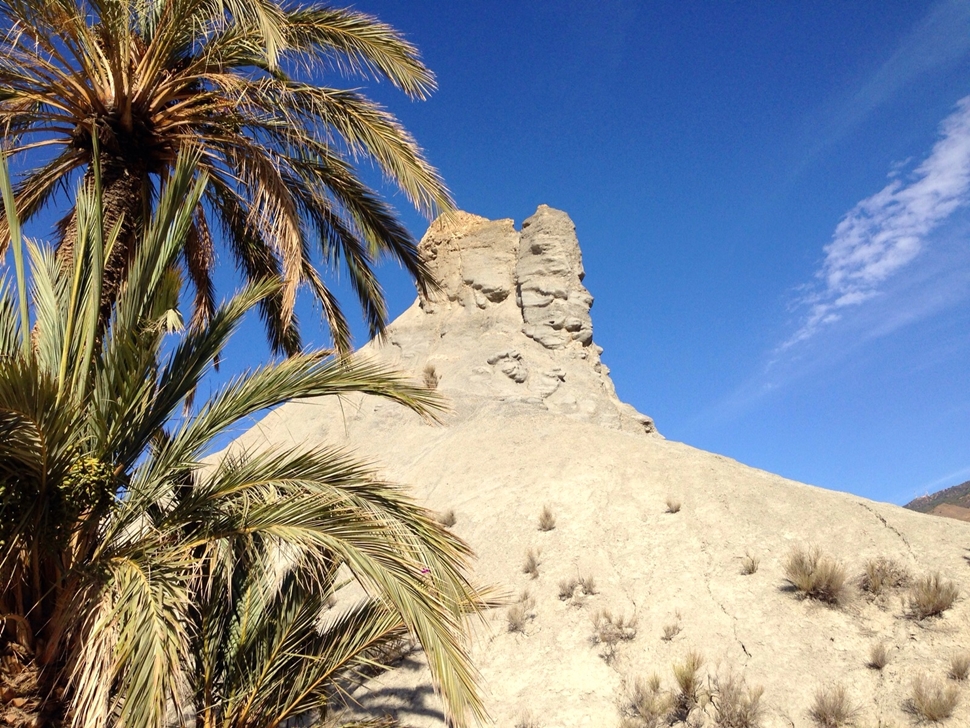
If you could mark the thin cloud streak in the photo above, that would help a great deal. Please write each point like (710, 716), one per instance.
(885, 232)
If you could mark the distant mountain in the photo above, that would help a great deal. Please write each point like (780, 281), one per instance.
(953, 502)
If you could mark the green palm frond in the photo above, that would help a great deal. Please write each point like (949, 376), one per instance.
(151, 589)
(129, 84)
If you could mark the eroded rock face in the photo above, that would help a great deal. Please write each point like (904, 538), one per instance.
(549, 272)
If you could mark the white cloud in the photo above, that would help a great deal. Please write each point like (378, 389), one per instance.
(885, 232)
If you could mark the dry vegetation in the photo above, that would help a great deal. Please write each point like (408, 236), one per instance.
(817, 577)
(609, 630)
(931, 595)
(750, 564)
(687, 675)
(547, 519)
(521, 612)
(673, 505)
(649, 706)
(527, 720)
(670, 631)
(882, 574)
(430, 376)
(832, 708)
(577, 588)
(531, 565)
(878, 656)
(932, 701)
(735, 704)
(959, 666)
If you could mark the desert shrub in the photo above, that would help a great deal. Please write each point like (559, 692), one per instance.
(649, 706)
(670, 631)
(447, 519)
(687, 675)
(931, 595)
(673, 505)
(521, 612)
(959, 666)
(575, 588)
(735, 704)
(527, 720)
(832, 707)
(882, 574)
(547, 519)
(931, 700)
(816, 576)
(749, 564)
(878, 656)
(609, 630)
(531, 565)
(430, 376)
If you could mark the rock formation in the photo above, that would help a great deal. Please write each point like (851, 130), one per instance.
(687, 548)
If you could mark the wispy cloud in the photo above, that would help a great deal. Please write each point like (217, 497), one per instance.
(885, 232)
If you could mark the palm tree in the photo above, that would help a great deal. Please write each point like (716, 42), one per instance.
(142, 588)
(237, 78)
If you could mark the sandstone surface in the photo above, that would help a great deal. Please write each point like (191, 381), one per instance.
(536, 423)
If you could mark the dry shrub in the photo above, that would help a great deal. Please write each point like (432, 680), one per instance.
(575, 589)
(531, 565)
(882, 574)
(610, 630)
(931, 595)
(749, 564)
(527, 720)
(878, 656)
(649, 706)
(735, 704)
(547, 519)
(671, 631)
(816, 576)
(832, 707)
(931, 700)
(521, 612)
(430, 376)
(447, 519)
(959, 666)
(673, 505)
(687, 675)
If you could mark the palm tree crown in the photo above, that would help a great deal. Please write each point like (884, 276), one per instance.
(140, 588)
(236, 78)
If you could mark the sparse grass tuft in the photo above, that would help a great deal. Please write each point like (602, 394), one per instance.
(750, 564)
(882, 574)
(670, 631)
(531, 565)
(959, 666)
(931, 700)
(610, 630)
(527, 720)
(547, 519)
(430, 376)
(687, 675)
(588, 583)
(931, 595)
(735, 704)
(832, 707)
(521, 612)
(568, 588)
(673, 505)
(878, 656)
(649, 706)
(447, 519)
(816, 576)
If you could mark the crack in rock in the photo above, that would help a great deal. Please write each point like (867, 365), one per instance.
(889, 526)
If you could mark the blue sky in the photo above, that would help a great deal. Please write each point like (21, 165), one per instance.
(771, 200)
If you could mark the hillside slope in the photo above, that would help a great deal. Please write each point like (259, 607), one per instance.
(663, 529)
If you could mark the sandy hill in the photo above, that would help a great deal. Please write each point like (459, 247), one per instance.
(664, 530)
